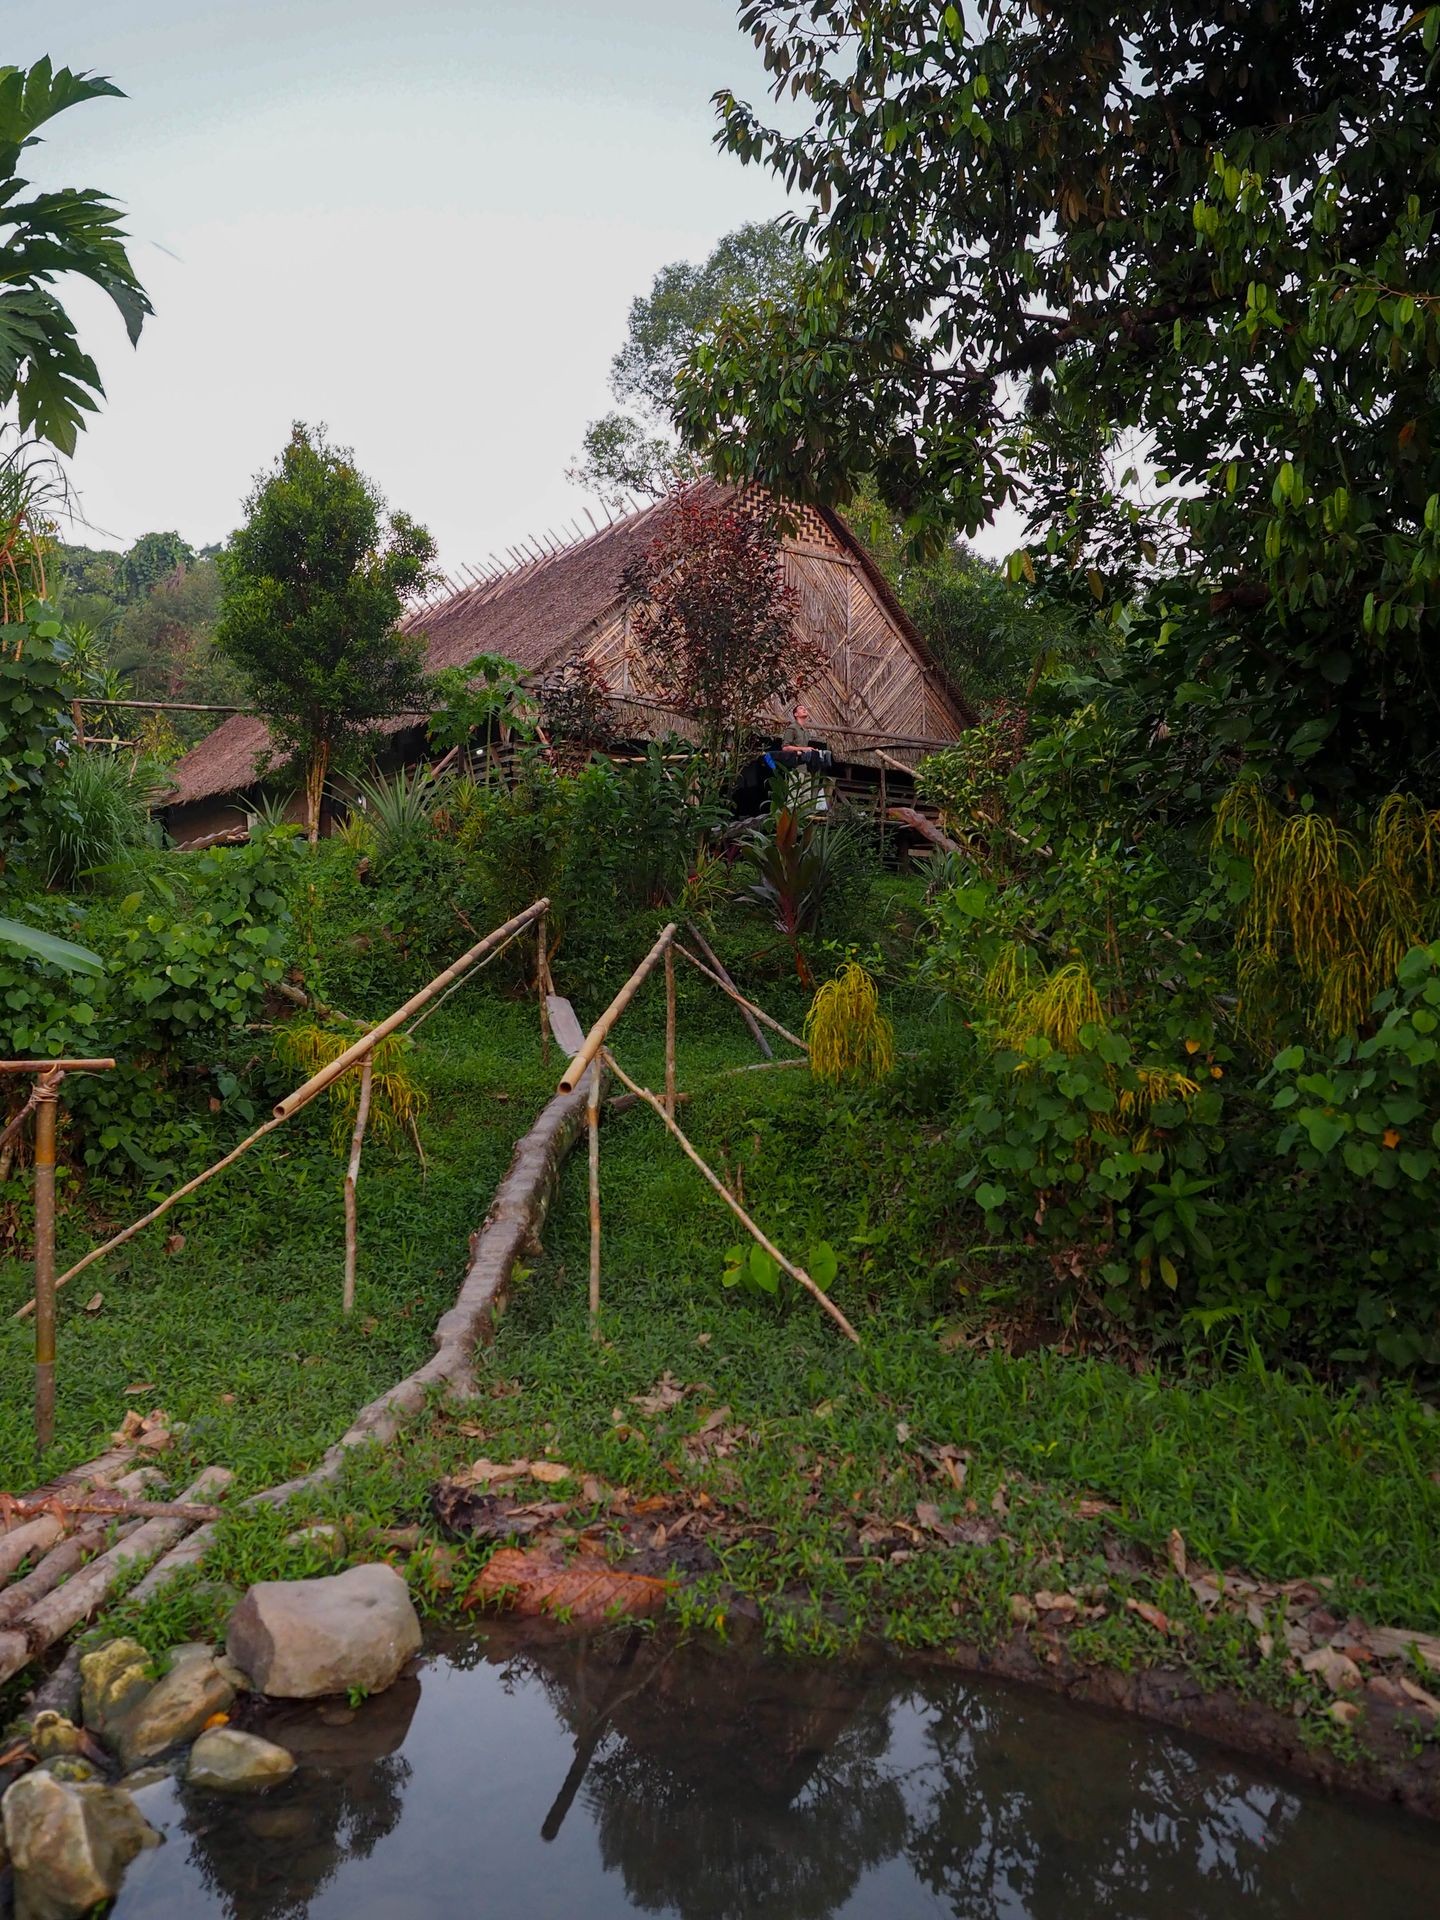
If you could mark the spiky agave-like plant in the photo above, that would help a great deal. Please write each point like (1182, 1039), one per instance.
(849, 1037)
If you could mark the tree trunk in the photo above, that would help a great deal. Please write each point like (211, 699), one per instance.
(315, 788)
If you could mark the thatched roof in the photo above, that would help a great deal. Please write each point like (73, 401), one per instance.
(539, 614)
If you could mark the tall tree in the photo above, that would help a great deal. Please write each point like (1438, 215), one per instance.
(315, 585)
(73, 230)
(635, 450)
(714, 617)
(1044, 228)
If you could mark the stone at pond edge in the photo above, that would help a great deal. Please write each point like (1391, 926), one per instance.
(69, 1845)
(112, 1680)
(175, 1709)
(231, 1761)
(298, 1639)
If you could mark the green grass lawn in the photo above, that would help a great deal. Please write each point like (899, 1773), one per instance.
(1276, 1475)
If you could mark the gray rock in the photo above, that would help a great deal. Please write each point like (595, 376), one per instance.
(69, 1845)
(298, 1639)
(175, 1709)
(112, 1680)
(236, 1762)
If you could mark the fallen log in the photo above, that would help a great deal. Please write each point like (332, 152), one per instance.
(52, 1617)
(72, 1552)
(38, 1535)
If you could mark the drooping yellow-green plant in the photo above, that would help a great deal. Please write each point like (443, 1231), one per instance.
(1344, 906)
(848, 1036)
(1056, 1009)
(396, 1101)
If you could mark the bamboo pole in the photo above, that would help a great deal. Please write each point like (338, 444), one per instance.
(595, 1039)
(37, 1536)
(463, 981)
(670, 1031)
(740, 1000)
(796, 1273)
(318, 1082)
(352, 1174)
(592, 1129)
(47, 1092)
(724, 978)
(53, 1616)
(542, 986)
(48, 1066)
(70, 1553)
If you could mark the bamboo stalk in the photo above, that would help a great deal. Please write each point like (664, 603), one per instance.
(352, 1174)
(670, 1031)
(53, 1616)
(740, 1000)
(724, 978)
(796, 1273)
(47, 1066)
(592, 1129)
(595, 1039)
(463, 981)
(47, 1092)
(318, 1082)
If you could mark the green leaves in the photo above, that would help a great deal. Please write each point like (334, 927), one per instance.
(38, 945)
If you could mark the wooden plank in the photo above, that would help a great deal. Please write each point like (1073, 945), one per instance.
(927, 829)
(564, 1024)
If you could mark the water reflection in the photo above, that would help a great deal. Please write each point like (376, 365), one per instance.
(624, 1775)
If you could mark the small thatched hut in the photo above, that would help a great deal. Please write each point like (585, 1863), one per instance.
(881, 693)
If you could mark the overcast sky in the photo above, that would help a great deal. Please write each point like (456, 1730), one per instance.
(420, 223)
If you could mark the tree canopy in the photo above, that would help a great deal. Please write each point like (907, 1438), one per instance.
(635, 451)
(1049, 243)
(315, 585)
(74, 230)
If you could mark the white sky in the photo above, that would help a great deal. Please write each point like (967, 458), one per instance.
(421, 224)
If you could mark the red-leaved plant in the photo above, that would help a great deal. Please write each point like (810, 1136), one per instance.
(714, 617)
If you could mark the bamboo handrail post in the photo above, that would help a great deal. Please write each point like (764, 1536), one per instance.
(734, 994)
(542, 985)
(595, 1038)
(670, 1030)
(796, 1273)
(592, 1129)
(47, 1092)
(352, 1175)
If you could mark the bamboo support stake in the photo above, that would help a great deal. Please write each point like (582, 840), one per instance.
(318, 1082)
(595, 1039)
(352, 1174)
(796, 1273)
(47, 1092)
(463, 981)
(740, 1000)
(724, 978)
(542, 986)
(670, 1031)
(592, 1129)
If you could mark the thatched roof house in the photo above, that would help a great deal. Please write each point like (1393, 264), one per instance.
(881, 688)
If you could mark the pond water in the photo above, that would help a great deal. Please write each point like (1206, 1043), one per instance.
(565, 1778)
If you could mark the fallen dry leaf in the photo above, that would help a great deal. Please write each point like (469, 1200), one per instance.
(94, 1303)
(1175, 1549)
(1395, 1643)
(1022, 1610)
(1152, 1616)
(902, 1431)
(1336, 1669)
(1064, 1604)
(530, 1581)
(703, 1339)
(1000, 1504)
(1345, 1712)
(548, 1472)
(1091, 1508)
(928, 1514)
(666, 1393)
(141, 1386)
(471, 1429)
(174, 1242)
(1414, 1691)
